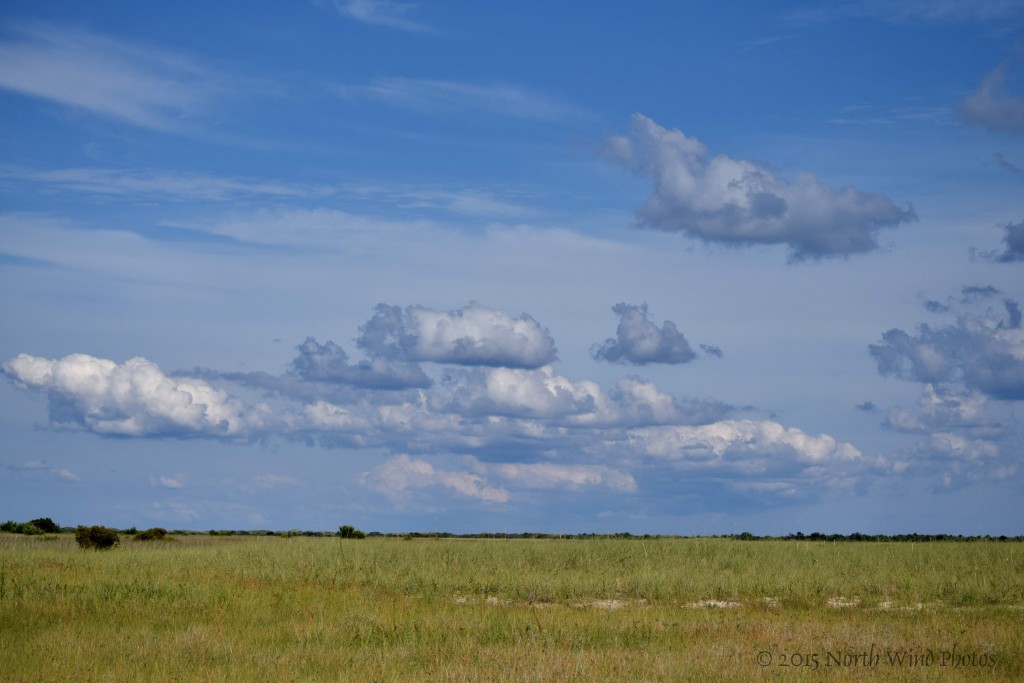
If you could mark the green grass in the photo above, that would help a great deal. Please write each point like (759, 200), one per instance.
(266, 608)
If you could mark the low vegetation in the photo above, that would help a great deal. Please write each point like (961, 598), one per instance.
(96, 537)
(241, 608)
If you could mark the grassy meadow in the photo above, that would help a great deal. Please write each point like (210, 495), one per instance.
(387, 609)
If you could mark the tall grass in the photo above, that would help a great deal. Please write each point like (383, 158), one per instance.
(266, 608)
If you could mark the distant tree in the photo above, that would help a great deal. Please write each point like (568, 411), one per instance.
(46, 525)
(154, 534)
(96, 537)
(347, 531)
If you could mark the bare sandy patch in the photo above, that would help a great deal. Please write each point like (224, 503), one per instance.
(839, 602)
(718, 604)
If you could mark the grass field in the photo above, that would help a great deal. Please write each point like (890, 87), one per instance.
(387, 609)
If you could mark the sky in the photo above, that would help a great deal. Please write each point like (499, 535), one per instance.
(667, 267)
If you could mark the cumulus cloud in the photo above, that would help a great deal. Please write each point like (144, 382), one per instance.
(711, 350)
(166, 482)
(402, 473)
(398, 475)
(741, 202)
(638, 341)
(523, 393)
(328, 362)
(983, 351)
(965, 435)
(513, 428)
(992, 108)
(941, 408)
(1014, 245)
(134, 398)
(545, 475)
(472, 335)
(744, 445)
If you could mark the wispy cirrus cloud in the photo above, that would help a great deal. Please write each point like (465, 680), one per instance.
(44, 469)
(140, 85)
(913, 11)
(382, 13)
(161, 481)
(444, 97)
(133, 183)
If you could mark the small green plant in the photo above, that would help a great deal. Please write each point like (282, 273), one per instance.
(347, 531)
(96, 537)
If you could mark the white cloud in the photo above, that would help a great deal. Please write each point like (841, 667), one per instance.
(544, 475)
(740, 202)
(272, 481)
(185, 186)
(444, 97)
(471, 335)
(141, 86)
(741, 443)
(402, 473)
(526, 393)
(914, 11)
(992, 108)
(176, 482)
(41, 467)
(132, 399)
(639, 341)
(960, 447)
(382, 13)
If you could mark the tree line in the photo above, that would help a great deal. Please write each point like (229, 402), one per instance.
(45, 525)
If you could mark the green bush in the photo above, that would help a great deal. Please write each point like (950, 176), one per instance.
(350, 532)
(46, 525)
(97, 537)
(27, 528)
(154, 534)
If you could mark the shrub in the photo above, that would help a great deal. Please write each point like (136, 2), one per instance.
(350, 532)
(154, 534)
(27, 528)
(46, 525)
(97, 537)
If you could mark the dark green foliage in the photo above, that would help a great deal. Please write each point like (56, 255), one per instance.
(347, 531)
(27, 528)
(154, 534)
(97, 537)
(46, 525)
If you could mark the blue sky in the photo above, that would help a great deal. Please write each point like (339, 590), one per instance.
(688, 268)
